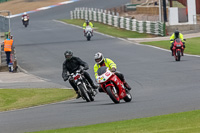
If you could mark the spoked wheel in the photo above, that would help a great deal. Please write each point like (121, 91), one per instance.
(84, 93)
(112, 92)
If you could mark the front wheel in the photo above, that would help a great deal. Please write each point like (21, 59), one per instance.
(112, 92)
(128, 97)
(178, 55)
(88, 38)
(84, 93)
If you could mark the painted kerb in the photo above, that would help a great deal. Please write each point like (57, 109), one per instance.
(107, 17)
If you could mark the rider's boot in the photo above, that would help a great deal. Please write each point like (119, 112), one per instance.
(182, 53)
(127, 86)
(94, 90)
(94, 86)
(78, 95)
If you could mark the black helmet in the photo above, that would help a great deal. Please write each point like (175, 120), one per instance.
(176, 33)
(68, 54)
(87, 22)
(98, 58)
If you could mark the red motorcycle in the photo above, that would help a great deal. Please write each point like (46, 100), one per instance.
(178, 49)
(112, 85)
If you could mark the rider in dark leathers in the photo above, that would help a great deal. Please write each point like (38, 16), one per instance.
(72, 64)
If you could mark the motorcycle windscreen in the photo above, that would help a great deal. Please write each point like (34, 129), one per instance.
(101, 70)
(178, 40)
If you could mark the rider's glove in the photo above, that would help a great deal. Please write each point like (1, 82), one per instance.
(66, 78)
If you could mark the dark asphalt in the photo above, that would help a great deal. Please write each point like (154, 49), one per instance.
(160, 85)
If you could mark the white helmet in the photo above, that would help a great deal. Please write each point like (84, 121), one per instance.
(24, 13)
(98, 57)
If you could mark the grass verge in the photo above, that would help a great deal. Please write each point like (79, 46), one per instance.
(109, 30)
(11, 99)
(186, 122)
(192, 45)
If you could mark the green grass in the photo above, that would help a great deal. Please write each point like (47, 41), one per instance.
(177, 4)
(186, 122)
(20, 98)
(109, 30)
(192, 45)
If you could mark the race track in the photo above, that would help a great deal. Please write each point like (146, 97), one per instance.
(160, 85)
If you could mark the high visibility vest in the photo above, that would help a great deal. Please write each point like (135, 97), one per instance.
(8, 45)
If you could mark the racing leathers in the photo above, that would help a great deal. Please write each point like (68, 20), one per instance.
(72, 65)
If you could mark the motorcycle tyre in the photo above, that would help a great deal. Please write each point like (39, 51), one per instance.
(178, 55)
(84, 93)
(128, 97)
(112, 95)
(88, 38)
(91, 96)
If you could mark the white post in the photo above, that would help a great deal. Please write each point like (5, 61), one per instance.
(191, 5)
(173, 15)
(160, 11)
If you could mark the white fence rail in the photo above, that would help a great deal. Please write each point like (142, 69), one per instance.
(107, 17)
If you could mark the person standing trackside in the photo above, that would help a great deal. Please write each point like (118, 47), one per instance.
(8, 46)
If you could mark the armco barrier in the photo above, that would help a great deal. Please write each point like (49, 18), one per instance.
(2, 56)
(107, 17)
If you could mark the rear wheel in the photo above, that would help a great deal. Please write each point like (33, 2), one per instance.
(128, 97)
(112, 92)
(84, 93)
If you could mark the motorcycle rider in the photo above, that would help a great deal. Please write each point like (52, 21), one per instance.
(25, 15)
(101, 61)
(87, 23)
(72, 64)
(174, 36)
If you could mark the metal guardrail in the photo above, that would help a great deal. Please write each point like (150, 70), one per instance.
(2, 56)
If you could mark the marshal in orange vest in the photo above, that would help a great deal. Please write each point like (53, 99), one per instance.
(8, 45)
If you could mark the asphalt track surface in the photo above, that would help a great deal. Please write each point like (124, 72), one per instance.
(160, 85)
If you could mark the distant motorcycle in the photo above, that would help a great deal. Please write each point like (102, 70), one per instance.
(84, 88)
(88, 32)
(25, 21)
(112, 85)
(178, 49)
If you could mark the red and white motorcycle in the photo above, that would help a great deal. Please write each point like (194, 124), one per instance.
(112, 85)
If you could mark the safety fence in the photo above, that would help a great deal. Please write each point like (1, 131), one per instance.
(113, 19)
(2, 56)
